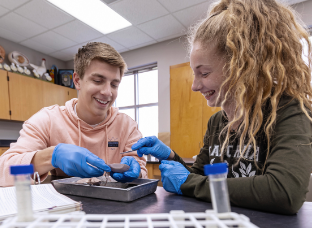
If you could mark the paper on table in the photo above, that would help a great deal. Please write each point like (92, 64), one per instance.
(44, 198)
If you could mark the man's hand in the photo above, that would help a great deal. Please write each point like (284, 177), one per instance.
(73, 161)
(130, 175)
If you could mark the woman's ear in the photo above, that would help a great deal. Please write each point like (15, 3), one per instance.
(76, 79)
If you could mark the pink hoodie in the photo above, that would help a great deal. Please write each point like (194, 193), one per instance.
(53, 125)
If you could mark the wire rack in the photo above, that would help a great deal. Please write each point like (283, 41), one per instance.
(174, 219)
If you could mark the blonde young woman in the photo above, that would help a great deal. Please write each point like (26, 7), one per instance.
(247, 58)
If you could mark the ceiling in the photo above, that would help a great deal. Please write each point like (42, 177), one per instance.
(41, 26)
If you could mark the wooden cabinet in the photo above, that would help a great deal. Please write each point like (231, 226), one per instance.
(189, 112)
(185, 112)
(54, 94)
(153, 172)
(72, 93)
(26, 95)
(4, 96)
(3, 149)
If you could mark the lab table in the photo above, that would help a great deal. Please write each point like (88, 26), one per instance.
(163, 202)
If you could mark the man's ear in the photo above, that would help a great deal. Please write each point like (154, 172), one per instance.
(76, 79)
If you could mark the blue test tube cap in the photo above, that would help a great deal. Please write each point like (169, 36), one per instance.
(22, 169)
(217, 168)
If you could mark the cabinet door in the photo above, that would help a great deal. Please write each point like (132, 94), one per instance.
(25, 96)
(189, 112)
(54, 94)
(72, 93)
(4, 96)
(3, 149)
(185, 112)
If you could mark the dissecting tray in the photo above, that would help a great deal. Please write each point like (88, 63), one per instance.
(113, 190)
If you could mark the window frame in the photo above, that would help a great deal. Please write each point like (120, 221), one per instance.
(135, 72)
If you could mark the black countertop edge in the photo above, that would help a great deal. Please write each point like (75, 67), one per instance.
(6, 142)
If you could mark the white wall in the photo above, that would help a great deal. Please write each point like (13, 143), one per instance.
(304, 10)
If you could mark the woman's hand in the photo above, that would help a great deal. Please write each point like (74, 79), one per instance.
(173, 175)
(153, 146)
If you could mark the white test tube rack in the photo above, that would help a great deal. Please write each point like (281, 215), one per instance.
(174, 219)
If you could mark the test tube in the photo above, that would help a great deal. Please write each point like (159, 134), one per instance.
(218, 187)
(23, 191)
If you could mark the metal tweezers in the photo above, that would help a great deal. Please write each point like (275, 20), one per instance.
(127, 151)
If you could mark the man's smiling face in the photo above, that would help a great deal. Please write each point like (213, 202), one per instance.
(98, 91)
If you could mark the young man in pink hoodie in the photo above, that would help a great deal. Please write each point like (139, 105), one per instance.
(64, 139)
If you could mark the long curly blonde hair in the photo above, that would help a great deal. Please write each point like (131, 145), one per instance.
(262, 43)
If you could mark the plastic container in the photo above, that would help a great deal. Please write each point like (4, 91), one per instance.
(23, 192)
(218, 187)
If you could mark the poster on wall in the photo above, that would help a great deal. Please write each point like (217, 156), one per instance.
(65, 77)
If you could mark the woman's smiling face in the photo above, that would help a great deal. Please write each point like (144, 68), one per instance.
(208, 70)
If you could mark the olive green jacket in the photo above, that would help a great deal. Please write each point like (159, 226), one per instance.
(283, 185)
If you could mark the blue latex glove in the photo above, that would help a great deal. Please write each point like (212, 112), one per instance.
(130, 175)
(152, 145)
(173, 175)
(73, 161)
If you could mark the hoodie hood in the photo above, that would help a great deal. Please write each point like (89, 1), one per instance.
(69, 109)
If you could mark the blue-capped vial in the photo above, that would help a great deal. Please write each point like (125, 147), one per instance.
(23, 191)
(218, 186)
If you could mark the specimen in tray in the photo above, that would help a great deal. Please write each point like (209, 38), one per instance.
(89, 181)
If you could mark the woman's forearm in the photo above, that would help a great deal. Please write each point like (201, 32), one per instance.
(171, 156)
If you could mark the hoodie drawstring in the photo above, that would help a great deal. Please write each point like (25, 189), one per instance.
(79, 132)
(106, 145)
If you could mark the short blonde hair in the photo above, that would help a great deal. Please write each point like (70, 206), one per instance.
(100, 51)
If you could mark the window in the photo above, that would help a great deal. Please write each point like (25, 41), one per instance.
(305, 51)
(138, 97)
